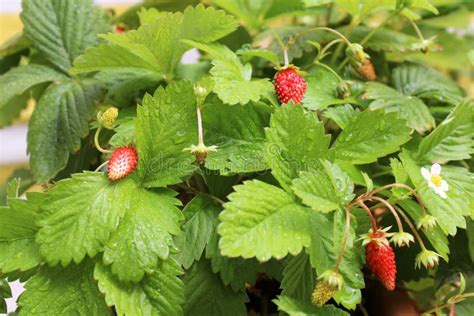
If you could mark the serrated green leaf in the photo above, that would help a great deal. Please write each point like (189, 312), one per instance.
(201, 220)
(57, 125)
(18, 249)
(25, 180)
(295, 142)
(453, 138)
(62, 30)
(298, 307)
(14, 86)
(166, 124)
(80, 213)
(5, 292)
(410, 108)
(159, 293)
(238, 132)
(206, 295)
(249, 52)
(63, 291)
(262, 221)
(233, 81)
(372, 134)
(341, 114)
(324, 190)
(299, 277)
(124, 133)
(144, 235)
(327, 233)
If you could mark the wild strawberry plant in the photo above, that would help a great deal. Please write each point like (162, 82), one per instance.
(313, 147)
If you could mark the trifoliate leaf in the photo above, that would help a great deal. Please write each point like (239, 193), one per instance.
(324, 190)
(426, 83)
(238, 132)
(262, 221)
(59, 121)
(410, 108)
(299, 277)
(18, 228)
(341, 115)
(295, 142)
(453, 138)
(372, 134)
(159, 293)
(80, 213)
(299, 307)
(201, 220)
(63, 291)
(165, 125)
(144, 235)
(233, 81)
(14, 86)
(206, 295)
(327, 233)
(62, 30)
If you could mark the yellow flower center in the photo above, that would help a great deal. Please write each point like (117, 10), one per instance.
(436, 180)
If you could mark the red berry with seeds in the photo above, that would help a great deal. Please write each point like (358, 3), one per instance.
(380, 259)
(289, 85)
(122, 162)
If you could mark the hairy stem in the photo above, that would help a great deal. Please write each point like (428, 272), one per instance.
(97, 144)
(101, 165)
(371, 216)
(330, 70)
(412, 227)
(199, 121)
(417, 30)
(403, 186)
(392, 210)
(345, 238)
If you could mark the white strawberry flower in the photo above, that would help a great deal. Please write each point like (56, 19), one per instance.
(435, 181)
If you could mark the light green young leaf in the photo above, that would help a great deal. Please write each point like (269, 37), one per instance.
(238, 132)
(14, 86)
(295, 142)
(324, 190)
(165, 125)
(124, 133)
(453, 138)
(63, 291)
(249, 52)
(361, 8)
(79, 215)
(233, 81)
(18, 228)
(299, 307)
(159, 293)
(59, 121)
(299, 277)
(410, 108)
(371, 135)
(61, 30)
(262, 221)
(144, 235)
(341, 114)
(384, 40)
(201, 220)
(206, 295)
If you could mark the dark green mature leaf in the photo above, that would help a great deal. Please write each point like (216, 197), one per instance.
(262, 221)
(453, 138)
(61, 30)
(57, 125)
(63, 291)
(299, 277)
(298, 307)
(410, 108)
(144, 235)
(80, 213)
(341, 114)
(18, 228)
(295, 142)
(159, 293)
(233, 81)
(326, 189)
(166, 124)
(5, 292)
(238, 132)
(201, 220)
(206, 295)
(370, 135)
(14, 86)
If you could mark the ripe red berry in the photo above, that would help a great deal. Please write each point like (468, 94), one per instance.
(122, 162)
(380, 259)
(289, 85)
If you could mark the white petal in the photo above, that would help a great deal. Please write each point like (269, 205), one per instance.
(444, 186)
(425, 173)
(431, 185)
(441, 193)
(435, 169)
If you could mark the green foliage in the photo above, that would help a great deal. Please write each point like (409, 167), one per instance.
(299, 277)
(296, 307)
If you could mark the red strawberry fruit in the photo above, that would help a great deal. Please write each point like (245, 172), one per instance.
(289, 85)
(122, 162)
(380, 259)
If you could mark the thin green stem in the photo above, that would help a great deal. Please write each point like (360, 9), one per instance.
(412, 227)
(403, 186)
(329, 45)
(325, 29)
(283, 47)
(199, 121)
(97, 144)
(417, 30)
(392, 210)
(194, 191)
(330, 70)
(101, 165)
(345, 238)
(454, 300)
